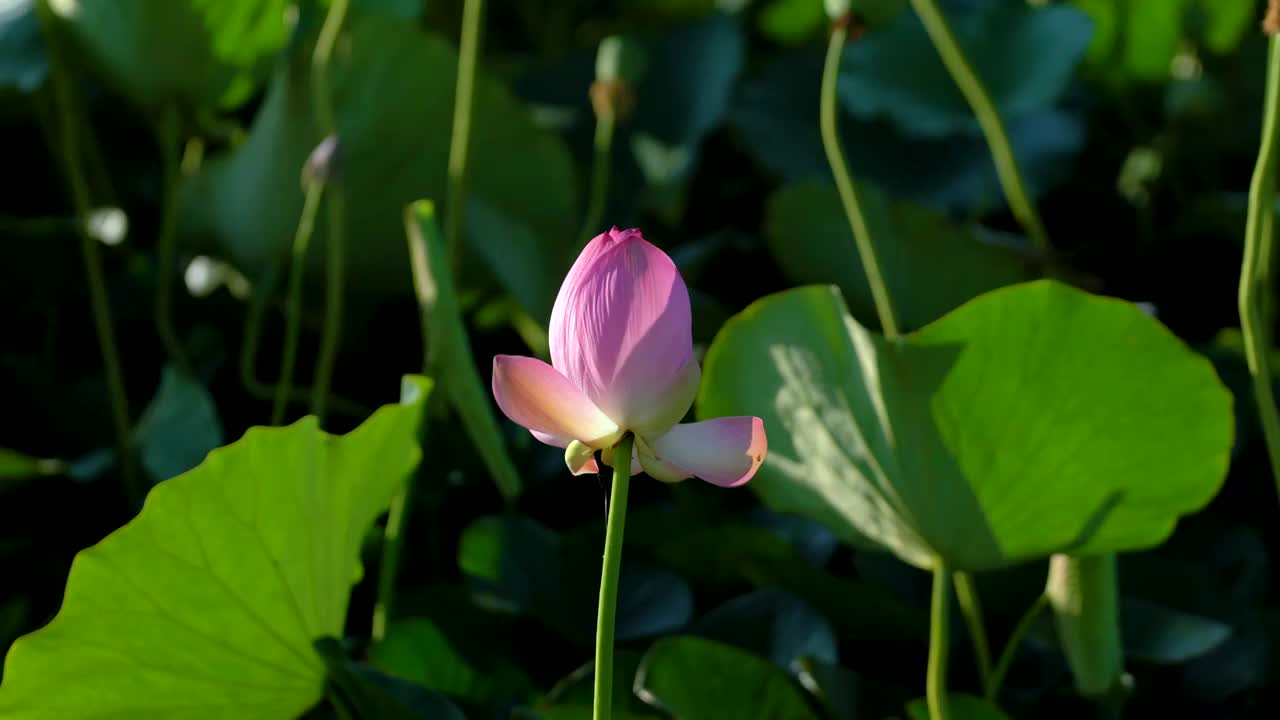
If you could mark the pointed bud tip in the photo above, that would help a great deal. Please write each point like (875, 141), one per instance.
(837, 10)
(324, 163)
(620, 59)
(614, 235)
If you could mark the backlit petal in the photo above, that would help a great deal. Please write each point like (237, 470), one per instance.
(725, 451)
(655, 467)
(535, 395)
(621, 331)
(655, 413)
(580, 458)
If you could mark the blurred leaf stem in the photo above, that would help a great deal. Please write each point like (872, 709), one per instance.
(602, 705)
(1024, 209)
(69, 136)
(1258, 254)
(460, 141)
(939, 641)
(293, 315)
(1025, 623)
(446, 358)
(845, 185)
(601, 149)
(389, 566)
(604, 106)
(325, 176)
(262, 292)
(166, 249)
(335, 204)
(419, 219)
(967, 594)
(975, 92)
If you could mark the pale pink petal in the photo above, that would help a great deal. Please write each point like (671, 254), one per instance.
(655, 413)
(621, 331)
(559, 441)
(580, 459)
(535, 395)
(655, 467)
(725, 451)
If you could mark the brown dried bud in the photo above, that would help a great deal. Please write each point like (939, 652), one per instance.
(612, 98)
(1271, 23)
(853, 23)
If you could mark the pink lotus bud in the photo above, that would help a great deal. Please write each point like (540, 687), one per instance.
(622, 361)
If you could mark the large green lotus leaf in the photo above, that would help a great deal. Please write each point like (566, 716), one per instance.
(417, 650)
(1034, 419)
(691, 677)
(179, 426)
(198, 53)
(931, 265)
(513, 564)
(776, 114)
(1026, 56)
(206, 605)
(394, 92)
(960, 707)
(771, 623)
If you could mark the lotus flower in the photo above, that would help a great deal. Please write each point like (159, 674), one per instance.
(622, 361)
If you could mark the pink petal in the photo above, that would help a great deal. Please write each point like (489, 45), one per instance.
(725, 451)
(534, 395)
(581, 459)
(621, 332)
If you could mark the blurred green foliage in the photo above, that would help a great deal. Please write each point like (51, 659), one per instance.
(1067, 421)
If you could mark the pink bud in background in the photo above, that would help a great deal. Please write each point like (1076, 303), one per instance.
(622, 360)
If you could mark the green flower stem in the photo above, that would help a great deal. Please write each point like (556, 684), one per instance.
(389, 569)
(166, 244)
(324, 179)
(393, 536)
(82, 202)
(336, 206)
(971, 86)
(845, 185)
(603, 705)
(460, 141)
(1258, 253)
(252, 339)
(1028, 619)
(967, 594)
(602, 147)
(335, 279)
(293, 318)
(98, 176)
(425, 289)
(939, 641)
